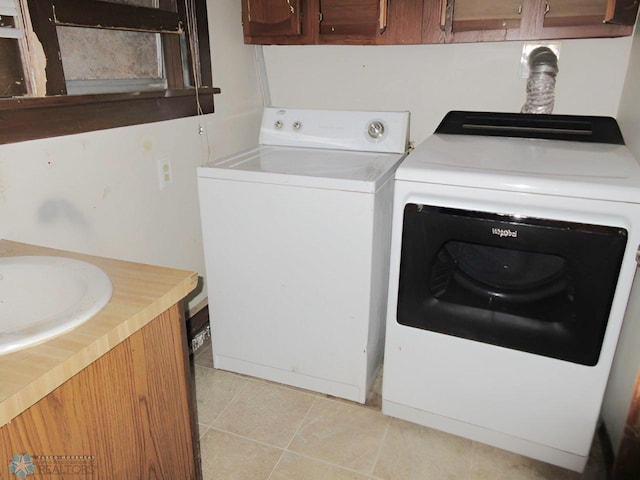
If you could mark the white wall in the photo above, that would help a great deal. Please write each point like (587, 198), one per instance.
(98, 192)
(430, 80)
(627, 360)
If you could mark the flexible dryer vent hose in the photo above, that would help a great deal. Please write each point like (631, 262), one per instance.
(543, 68)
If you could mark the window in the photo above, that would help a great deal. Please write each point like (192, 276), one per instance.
(100, 64)
(12, 80)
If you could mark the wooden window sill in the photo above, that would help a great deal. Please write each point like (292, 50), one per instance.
(30, 118)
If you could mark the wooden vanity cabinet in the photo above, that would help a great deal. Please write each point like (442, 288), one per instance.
(454, 21)
(129, 414)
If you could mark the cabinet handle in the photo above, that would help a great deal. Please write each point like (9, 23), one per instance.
(382, 19)
(446, 15)
(443, 13)
(293, 10)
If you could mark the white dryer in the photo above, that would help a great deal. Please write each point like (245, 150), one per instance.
(513, 254)
(297, 238)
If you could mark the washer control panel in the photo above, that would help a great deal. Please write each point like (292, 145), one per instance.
(367, 131)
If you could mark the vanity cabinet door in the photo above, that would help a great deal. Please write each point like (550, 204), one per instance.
(130, 414)
(278, 21)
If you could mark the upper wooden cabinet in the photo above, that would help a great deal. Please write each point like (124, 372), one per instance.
(359, 22)
(395, 22)
(448, 21)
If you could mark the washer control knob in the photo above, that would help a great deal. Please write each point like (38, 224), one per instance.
(278, 124)
(297, 126)
(375, 129)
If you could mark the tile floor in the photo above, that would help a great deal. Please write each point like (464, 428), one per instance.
(251, 429)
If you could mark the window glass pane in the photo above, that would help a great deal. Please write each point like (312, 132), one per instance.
(12, 81)
(7, 21)
(99, 61)
(89, 53)
(503, 273)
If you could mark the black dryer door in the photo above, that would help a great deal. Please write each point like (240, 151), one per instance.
(535, 285)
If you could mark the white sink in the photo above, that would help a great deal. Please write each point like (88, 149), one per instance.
(42, 297)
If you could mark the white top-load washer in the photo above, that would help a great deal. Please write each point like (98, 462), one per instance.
(296, 238)
(513, 254)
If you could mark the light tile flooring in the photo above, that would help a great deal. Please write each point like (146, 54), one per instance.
(251, 429)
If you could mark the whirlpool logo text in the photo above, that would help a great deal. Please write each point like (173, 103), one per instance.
(504, 232)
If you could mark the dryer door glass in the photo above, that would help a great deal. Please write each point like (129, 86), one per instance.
(535, 285)
(500, 273)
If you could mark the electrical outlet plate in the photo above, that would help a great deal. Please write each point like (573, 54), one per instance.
(529, 47)
(165, 175)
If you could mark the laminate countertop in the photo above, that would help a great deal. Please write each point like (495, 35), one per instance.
(140, 294)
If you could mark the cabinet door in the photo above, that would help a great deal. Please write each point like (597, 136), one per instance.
(352, 21)
(129, 414)
(467, 15)
(404, 23)
(622, 12)
(272, 17)
(276, 21)
(561, 13)
(586, 18)
(448, 21)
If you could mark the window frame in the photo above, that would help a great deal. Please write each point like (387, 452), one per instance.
(29, 117)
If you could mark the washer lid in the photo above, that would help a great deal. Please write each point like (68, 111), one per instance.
(553, 167)
(306, 167)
